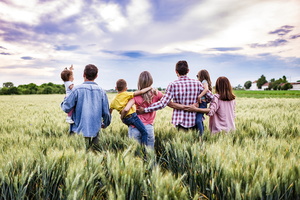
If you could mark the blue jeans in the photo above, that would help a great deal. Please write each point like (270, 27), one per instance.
(199, 118)
(133, 119)
(135, 134)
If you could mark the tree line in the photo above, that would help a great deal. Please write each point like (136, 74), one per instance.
(279, 84)
(31, 88)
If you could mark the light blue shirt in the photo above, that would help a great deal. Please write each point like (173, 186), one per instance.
(91, 109)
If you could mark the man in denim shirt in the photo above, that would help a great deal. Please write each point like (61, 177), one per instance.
(91, 107)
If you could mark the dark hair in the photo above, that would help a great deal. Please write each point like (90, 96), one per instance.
(204, 75)
(182, 67)
(65, 74)
(121, 85)
(90, 72)
(224, 89)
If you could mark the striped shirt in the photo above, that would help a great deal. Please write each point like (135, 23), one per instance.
(183, 91)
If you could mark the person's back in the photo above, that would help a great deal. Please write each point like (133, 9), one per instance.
(91, 108)
(222, 109)
(147, 118)
(186, 93)
(222, 115)
(182, 91)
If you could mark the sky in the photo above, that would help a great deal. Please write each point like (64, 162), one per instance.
(241, 40)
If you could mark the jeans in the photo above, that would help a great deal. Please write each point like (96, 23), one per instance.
(199, 118)
(135, 121)
(135, 134)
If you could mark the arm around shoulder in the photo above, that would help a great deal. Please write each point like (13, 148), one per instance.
(142, 91)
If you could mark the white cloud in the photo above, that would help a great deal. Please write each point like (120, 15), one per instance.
(241, 27)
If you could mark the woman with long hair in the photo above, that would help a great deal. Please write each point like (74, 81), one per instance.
(144, 100)
(222, 109)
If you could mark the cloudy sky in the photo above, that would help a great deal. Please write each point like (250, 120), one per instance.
(238, 39)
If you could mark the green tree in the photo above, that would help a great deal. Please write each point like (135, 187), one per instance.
(248, 84)
(262, 80)
(8, 84)
(287, 86)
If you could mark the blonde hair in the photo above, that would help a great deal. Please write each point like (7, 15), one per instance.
(146, 80)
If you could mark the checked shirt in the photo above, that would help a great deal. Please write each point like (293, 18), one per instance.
(184, 91)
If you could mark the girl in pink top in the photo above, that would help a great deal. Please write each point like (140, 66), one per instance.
(144, 100)
(222, 110)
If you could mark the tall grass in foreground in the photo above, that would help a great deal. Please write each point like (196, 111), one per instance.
(260, 160)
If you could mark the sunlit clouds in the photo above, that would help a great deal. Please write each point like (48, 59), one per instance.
(126, 37)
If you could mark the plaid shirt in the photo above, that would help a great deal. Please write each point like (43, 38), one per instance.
(184, 91)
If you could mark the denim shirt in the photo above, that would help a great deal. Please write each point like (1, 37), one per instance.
(91, 109)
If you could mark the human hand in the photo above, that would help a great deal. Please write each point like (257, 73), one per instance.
(71, 68)
(140, 110)
(191, 108)
(199, 99)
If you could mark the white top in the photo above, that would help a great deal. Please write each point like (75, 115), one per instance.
(204, 81)
(67, 87)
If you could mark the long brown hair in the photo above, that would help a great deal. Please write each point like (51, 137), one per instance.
(146, 80)
(224, 89)
(204, 75)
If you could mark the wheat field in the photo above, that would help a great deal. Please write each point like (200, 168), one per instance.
(39, 160)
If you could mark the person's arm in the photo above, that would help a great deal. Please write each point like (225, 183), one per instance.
(177, 106)
(194, 108)
(71, 86)
(163, 102)
(142, 91)
(69, 103)
(106, 115)
(205, 86)
(124, 112)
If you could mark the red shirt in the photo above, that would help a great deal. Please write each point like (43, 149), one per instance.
(183, 91)
(147, 118)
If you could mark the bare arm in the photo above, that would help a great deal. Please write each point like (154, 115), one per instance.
(205, 85)
(176, 105)
(127, 108)
(71, 86)
(194, 108)
(142, 91)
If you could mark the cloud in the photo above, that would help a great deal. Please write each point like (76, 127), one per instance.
(2, 53)
(283, 30)
(294, 36)
(129, 54)
(225, 49)
(127, 33)
(65, 47)
(27, 58)
(275, 43)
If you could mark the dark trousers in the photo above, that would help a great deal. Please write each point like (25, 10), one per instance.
(133, 119)
(181, 128)
(91, 142)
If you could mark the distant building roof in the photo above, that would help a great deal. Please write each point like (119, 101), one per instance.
(295, 83)
(266, 84)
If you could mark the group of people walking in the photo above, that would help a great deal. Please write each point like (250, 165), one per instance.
(91, 111)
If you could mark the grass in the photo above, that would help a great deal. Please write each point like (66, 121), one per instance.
(260, 160)
(268, 93)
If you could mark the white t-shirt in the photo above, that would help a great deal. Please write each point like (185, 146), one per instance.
(67, 87)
